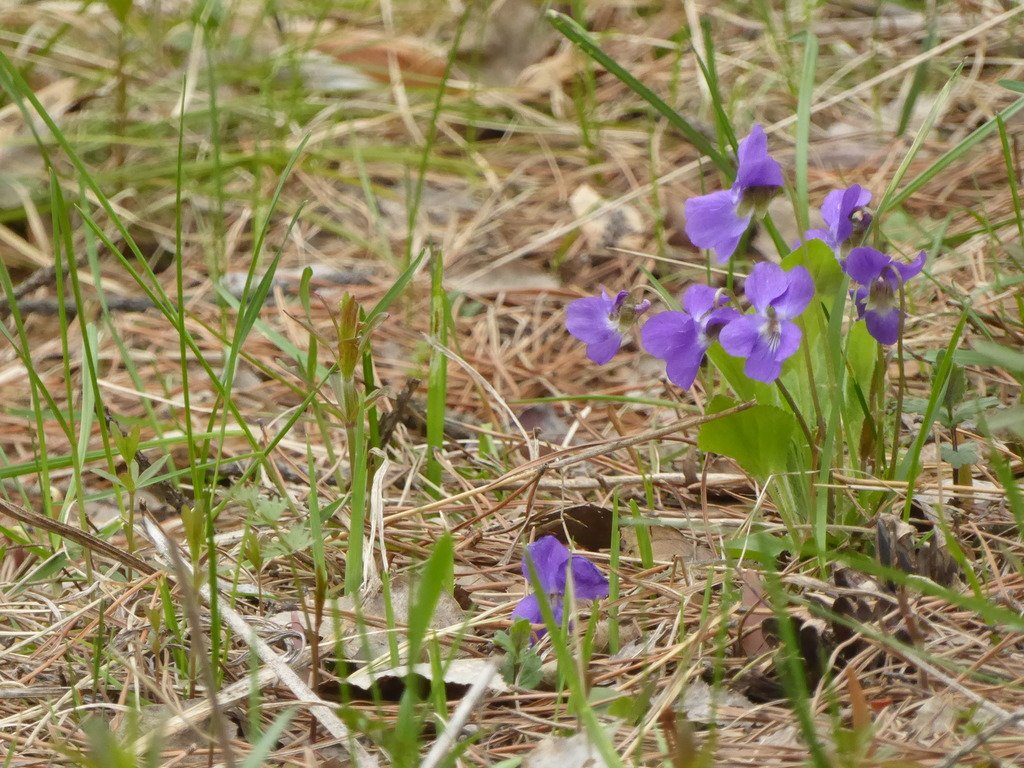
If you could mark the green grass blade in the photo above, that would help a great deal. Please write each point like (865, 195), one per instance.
(951, 156)
(920, 73)
(1011, 175)
(889, 198)
(582, 39)
(803, 128)
(910, 466)
(268, 741)
(437, 377)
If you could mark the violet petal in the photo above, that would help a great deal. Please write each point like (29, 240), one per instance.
(761, 364)
(884, 326)
(528, 608)
(713, 221)
(789, 340)
(740, 336)
(865, 264)
(818, 234)
(860, 299)
(699, 299)
(831, 207)
(797, 296)
(682, 366)
(910, 270)
(765, 283)
(667, 331)
(588, 319)
(549, 557)
(852, 200)
(756, 168)
(588, 582)
(602, 351)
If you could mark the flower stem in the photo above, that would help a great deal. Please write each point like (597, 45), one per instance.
(900, 388)
(802, 421)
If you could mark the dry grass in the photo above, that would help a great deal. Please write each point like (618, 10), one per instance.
(508, 158)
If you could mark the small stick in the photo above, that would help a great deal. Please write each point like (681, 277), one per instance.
(77, 535)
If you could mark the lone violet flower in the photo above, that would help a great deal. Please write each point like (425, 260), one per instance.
(843, 211)
(878, 297)
(768, 337)
(681, 339)
(552, 564)
(601, 322)
(718, 220)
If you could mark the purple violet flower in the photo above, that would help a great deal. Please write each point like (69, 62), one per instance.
(718, 220)
(843, 210)
(681, 339)
(552, 563)
(768, 337)
(878, 297)
(601, 322)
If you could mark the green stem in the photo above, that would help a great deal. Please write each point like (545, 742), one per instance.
(801, 420)
(900, 389)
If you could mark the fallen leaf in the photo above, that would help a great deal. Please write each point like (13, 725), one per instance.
(620, 226)
(371, 641)
(543, 420)
(517, 276)
(934, 719)
(589, 526)
(461, 672)
(367, 55)
(701, 703)
(503, 41)
(756, 611)
(669, 544)
(565, 752)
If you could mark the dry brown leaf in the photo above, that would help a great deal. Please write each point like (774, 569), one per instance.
(669, 544)
(369, 54)
(517, 276)
(620, 227)
(571, 752)
(702, 704)
(589, 526)
(510, 36)
(861, 716)
(756, 611)
(372, 641)
(463, 672)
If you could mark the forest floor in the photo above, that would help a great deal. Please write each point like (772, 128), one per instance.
(463, 173)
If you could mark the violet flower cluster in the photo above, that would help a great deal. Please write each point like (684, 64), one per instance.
(764, 338)
(553, 564)
(766, 335)
(880, 278)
